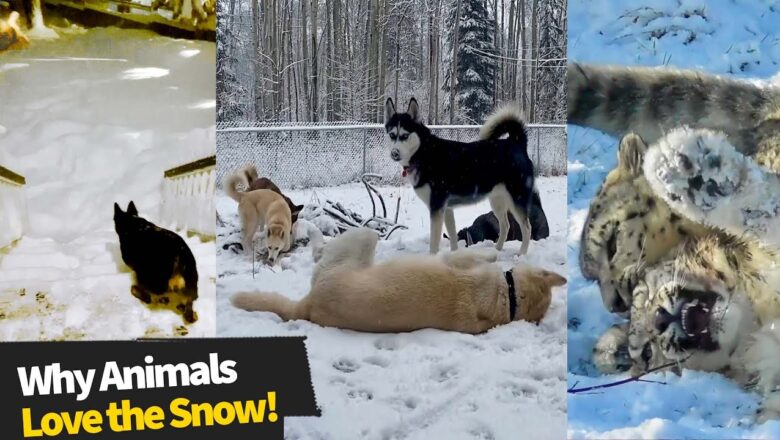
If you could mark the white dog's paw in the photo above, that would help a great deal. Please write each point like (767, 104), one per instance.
(703, 177)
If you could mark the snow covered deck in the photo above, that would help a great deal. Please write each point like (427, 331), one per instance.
(13, 211)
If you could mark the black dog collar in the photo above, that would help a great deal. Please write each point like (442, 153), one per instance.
(510, 284)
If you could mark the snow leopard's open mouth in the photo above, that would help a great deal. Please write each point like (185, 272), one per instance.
(694, 320)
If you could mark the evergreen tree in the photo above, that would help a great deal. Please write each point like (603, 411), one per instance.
(475, 65)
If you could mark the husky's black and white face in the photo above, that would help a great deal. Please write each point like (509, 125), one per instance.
(401, 131)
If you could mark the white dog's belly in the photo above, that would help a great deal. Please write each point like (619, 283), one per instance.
(394, 298)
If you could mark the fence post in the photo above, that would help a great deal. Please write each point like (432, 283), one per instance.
(365, 142)
(538, 148)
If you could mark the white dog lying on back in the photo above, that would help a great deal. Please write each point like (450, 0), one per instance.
(463, 291)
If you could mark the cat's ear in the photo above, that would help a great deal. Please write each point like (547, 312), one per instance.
(631, 153)
(131, 209)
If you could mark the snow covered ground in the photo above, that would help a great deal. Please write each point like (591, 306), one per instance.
(506, 383)
(738, 37)
(92, 118)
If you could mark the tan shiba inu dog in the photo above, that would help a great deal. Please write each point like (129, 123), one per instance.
(262, 207)
(463, 291)
(252, 181)
(11, 35)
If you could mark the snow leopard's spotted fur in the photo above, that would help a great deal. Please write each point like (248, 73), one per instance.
(702, 283)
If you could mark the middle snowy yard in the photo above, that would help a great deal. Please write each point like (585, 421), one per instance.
(423, 384)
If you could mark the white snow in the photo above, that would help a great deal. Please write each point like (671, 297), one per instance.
(506, 383)
(737, 37)
(89, 122)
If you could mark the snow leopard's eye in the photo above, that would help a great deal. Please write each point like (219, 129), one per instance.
(647, 354)
(612, 246)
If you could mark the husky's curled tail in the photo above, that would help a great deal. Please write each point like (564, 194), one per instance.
(244, 176)
(509, 120)
(506, 120)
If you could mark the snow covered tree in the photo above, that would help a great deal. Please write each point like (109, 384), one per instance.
(230, 91)
(473, 56)
(338, 60)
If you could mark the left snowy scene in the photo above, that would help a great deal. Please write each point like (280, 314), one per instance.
(107, 168)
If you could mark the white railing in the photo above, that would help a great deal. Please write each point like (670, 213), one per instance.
(188, 197)
(13, 208)
(322, 154)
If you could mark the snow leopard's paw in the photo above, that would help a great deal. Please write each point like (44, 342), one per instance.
(704, 178)
(695, 169)
(610, 354)
(770, 409)
(763, 363)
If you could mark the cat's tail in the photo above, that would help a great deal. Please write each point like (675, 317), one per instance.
(231, 185)
(286, 308)
(651, 101)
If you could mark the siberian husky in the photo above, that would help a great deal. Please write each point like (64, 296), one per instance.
(446, 173)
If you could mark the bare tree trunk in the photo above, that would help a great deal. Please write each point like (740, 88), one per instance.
(329, 59)
(338, 59)
(279, 59)
(512, 52)
(432, 64)
(314, 67)
(305, 53)
(295, 70)
(535, 57)
(496, 43)
(372, 56)
(523, 55)
(454, 74)
(257, 70)
(382, 64)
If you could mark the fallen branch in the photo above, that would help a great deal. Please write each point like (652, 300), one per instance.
(574, 390)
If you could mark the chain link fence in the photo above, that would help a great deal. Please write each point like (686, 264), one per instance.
(314, 155)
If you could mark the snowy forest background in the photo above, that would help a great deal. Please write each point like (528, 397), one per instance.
(338, 60)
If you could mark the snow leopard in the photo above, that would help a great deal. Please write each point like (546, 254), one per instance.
(713, 303)
(699, 156)
(629, 226)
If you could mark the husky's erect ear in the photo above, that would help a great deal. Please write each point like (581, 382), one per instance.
(631, 153)
(131, 209)
(297, 209)
(117, 210)
(414, 109)
(389, 109)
